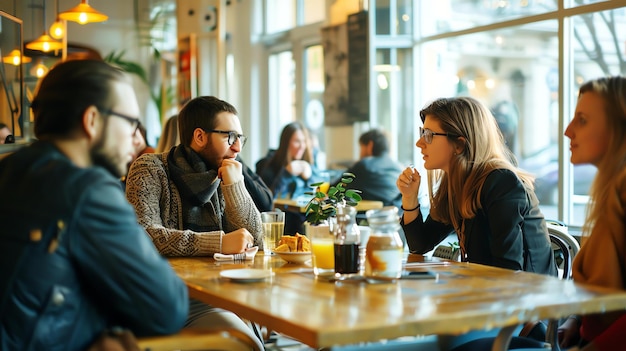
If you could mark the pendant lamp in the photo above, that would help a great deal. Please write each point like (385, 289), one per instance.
(15, 58)
(83, 14)
(44, 43)
(57, 29)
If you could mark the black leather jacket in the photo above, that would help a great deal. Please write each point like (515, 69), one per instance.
(73, 260)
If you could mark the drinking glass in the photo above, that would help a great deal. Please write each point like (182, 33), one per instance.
(273, 229)
(322, 249)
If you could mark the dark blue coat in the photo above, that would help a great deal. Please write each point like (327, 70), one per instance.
(376, 178)
(73, 259)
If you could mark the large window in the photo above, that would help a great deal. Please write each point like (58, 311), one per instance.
(283, 15)
(510, 55)
(524, 59)
(282, 94)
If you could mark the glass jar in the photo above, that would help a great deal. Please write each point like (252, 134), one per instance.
(384, 247)
(347, 242)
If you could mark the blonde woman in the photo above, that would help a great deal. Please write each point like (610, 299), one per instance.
(475, 191)
(597, 134)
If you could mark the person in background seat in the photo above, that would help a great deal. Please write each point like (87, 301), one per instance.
(74, 262)
(5, 131)
(290, 170)
(597, 133)
(376, 172)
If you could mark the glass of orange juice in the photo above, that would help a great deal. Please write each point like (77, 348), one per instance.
(322, 249)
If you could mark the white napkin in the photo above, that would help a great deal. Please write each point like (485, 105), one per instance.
(250, 253)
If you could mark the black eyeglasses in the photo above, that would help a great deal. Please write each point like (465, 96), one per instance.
(428, 134)
(134, 122)
(232, 136)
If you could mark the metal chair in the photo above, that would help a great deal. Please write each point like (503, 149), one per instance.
(199, 339)
(565, 248)
(447, 252)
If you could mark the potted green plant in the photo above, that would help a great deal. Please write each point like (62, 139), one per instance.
(324, 205)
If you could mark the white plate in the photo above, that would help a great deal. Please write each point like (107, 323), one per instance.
(246, 274)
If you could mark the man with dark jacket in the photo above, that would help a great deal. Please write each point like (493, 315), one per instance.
(74, 262)
(376, 172)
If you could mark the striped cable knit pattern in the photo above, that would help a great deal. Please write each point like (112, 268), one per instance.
(159, 208)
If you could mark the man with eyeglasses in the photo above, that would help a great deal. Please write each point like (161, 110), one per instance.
(192, 200)
(73, 260)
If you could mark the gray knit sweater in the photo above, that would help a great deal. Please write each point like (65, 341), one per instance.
(157, 202)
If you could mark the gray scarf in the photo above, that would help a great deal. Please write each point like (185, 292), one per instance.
(201, 197)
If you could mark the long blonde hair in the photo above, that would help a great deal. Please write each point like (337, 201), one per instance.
(604, 193)
(455, 195)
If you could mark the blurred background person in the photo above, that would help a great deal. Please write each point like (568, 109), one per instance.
(290, 170)
(169, 137)
(596, 135)
(5, 131)
(376, 172)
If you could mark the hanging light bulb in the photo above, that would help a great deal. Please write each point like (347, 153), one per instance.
(57, 29)
(44, 43)
(15, 58)
(83, 14)
(39, 70)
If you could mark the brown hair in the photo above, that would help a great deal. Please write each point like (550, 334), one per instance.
(200, 112)
(484, 150)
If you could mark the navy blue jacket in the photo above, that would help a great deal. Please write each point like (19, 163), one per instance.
(508, 232)
(73, 259)
(376, 178)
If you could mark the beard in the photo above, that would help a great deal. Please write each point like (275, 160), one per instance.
(101, 156)
(210, 156)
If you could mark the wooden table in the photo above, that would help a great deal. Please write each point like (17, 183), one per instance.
(463, 297)
(295, 206)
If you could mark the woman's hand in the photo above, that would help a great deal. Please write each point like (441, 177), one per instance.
(237, 241)
(408, 184)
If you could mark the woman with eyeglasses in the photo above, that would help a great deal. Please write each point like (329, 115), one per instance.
(475, 190)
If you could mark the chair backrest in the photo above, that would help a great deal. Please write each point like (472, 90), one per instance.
(447, 252)
(565, 247)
